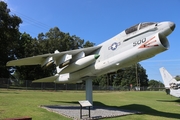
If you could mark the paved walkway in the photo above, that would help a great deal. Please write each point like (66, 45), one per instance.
(96, 112)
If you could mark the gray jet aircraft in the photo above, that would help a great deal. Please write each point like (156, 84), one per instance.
(134, 44)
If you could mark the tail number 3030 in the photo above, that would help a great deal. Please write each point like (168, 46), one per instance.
(139, 42)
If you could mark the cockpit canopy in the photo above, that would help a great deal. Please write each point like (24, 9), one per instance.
(138, 27)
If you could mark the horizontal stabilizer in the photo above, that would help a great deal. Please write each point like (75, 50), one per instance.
(47, 79)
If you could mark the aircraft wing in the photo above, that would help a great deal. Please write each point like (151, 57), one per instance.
(47, 79)
(35, 60)
(42, 59)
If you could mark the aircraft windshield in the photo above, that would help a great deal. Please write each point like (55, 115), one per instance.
(143, 25)
(138, 27)
(132, 29)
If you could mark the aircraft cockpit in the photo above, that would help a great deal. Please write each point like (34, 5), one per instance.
(139, 26)
(175, 85)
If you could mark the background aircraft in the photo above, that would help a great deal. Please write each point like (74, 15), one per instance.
(137, 43)
(171, 84)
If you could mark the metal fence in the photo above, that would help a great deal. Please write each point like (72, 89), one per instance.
(28, 85)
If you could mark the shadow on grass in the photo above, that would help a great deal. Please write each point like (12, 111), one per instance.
(135, 107)
(178, 101)
(68, 102)
(150, 111)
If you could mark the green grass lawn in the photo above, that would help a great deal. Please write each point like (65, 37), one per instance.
(154, 105)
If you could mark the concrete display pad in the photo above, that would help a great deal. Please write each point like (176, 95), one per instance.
(97, 112)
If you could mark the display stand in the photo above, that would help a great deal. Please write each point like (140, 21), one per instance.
(85, 103)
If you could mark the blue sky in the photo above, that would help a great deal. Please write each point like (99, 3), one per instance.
(99, 20)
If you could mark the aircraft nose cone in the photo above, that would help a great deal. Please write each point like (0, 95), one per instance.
(172, 26)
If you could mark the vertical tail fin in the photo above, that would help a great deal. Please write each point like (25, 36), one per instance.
(167, 77)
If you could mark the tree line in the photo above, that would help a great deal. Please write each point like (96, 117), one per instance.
(15, 45)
